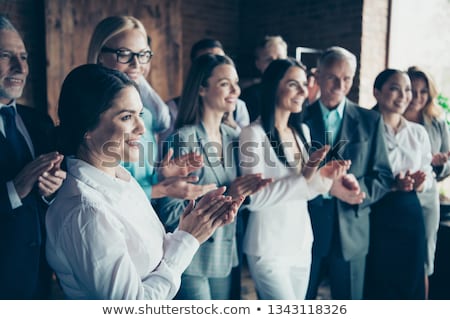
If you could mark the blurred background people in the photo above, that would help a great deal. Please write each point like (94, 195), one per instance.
(269, 49)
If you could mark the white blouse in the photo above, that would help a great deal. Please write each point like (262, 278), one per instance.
(409, 149)
(279, 223)
(105, 241)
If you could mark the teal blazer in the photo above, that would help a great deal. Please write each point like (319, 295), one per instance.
(216, 256)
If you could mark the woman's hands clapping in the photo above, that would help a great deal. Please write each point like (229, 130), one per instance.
(410, 181)
(211, 212)
(247, 185)
(176, 181)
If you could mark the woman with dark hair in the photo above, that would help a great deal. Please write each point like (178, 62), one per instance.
(278, 238)
(104, 239)
(211, 89)
(396, 260)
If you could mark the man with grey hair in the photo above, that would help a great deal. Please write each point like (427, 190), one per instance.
(28, 178)
(340, 220)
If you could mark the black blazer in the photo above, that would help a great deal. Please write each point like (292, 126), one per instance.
(252, 98)
(24, 273)
(361, 140)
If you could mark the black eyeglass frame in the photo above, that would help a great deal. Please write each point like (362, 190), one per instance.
(120, 53)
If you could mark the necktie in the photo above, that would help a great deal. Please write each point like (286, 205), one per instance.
(14, 138)
(333, 123)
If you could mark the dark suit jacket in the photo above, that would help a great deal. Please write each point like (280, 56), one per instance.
(24, 273)
(361, 140)
(252, 98)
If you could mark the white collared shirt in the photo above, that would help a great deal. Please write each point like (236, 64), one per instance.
(105, 241)
(409, 149)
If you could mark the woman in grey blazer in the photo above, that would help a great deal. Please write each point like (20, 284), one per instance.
(425, 111)
(211, 90)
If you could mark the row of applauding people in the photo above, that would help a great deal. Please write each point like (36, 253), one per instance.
(319, 183)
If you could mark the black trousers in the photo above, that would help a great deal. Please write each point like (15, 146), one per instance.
(396, 259)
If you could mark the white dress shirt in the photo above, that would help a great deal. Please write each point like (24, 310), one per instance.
(279, 223)
(105, 241)
(409, 149)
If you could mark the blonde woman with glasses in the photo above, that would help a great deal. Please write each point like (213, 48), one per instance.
(122, 43)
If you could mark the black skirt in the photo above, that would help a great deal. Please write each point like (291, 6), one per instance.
(395, 266)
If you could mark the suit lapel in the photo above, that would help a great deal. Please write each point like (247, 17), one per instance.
(349, 122)
(211, 160)
(313, 119)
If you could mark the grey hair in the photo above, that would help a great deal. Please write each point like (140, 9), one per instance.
(333, 54)
(5, 24)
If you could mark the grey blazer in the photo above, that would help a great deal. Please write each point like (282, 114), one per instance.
(216, 256)
(439, 133)
(360, 140)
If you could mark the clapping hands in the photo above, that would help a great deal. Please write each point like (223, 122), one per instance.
(46, 170)
(247, 185)
(211, 212)
(181, 166)
(347, 189)
(440, 158)
(176, 181)
(410, 181)
(331, 170)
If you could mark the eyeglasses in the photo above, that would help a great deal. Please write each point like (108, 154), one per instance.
(126, 56)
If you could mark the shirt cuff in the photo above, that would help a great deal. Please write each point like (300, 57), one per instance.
(179, 249)
(13, 195)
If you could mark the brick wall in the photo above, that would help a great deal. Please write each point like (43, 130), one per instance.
(374, 48)
(360, 26)
(306, 23)
(28, 18)
(209, 19)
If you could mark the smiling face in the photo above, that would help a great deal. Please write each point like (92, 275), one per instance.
(395, 94)
(133, 40)
(335, 81)
(420, 94)
(119, 130)
(222, 91)
(13, 66)
(292, 90)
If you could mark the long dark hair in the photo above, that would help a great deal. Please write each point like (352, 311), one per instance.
(269, 95)
(191, 106)
(86, 93)
(381, 79)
